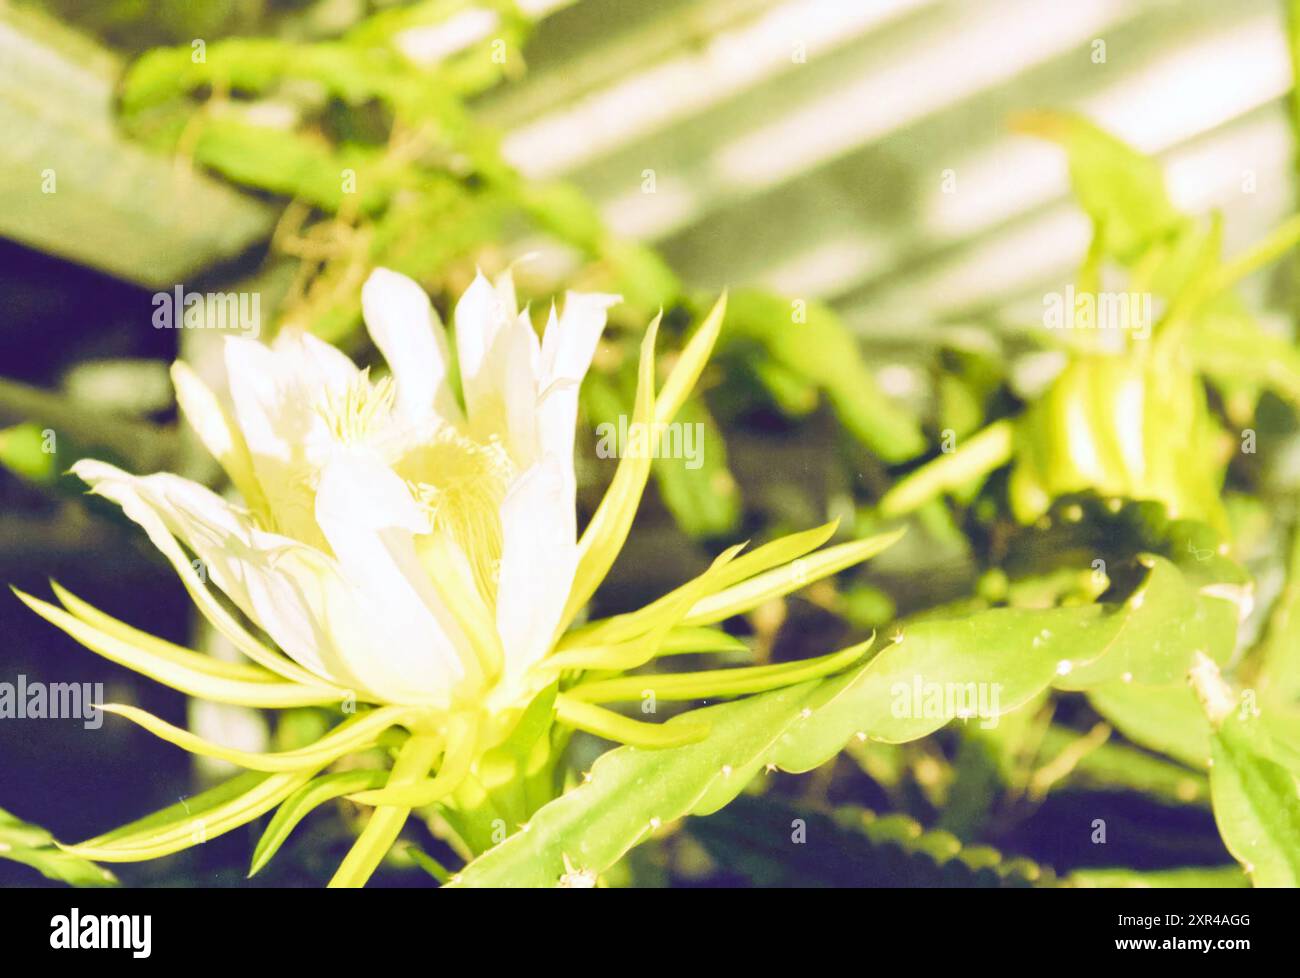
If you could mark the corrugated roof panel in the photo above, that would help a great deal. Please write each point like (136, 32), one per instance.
(804, 145)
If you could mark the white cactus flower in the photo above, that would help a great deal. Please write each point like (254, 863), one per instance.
(394, 544)
(410, 547)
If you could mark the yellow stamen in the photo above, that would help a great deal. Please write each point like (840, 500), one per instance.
(354, 414)
(461, 483)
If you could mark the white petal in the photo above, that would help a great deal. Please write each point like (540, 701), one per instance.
(370, 520)
(568, 346)
(519, 353)
(278, 395)
(500, 356)
(312, 360)
(217, 429)
(358, 492)
(260, 572)
(492, 339)
(570, 343)
(538, 558)
(479, 317)
(505, 290)
(404, 326)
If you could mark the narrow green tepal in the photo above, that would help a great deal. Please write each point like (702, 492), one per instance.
(73, 185)
(33, 846)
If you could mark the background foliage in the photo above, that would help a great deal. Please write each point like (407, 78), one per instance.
(308, 146)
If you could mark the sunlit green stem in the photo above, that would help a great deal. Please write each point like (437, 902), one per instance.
(1278, 242)
(541, 780)
(1273, 246)
(478, 821)
(412, 764)
(1171, 330)
(979, 455)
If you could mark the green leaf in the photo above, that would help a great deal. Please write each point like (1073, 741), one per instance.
(850, 848)
(794, 395)
(1279, 677)
(988, 760)
(1167, 622)
(565, 211)
(699, 490)
(1256, 803)
(820, 350)
(1192, 877)
(1114, 766)
(1166, 719)
(996, 660)
(1122, 190)
(632, 791)
(984, 665)
(251, 65)
(639, 274)
(290, 164)
(1229, 347)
